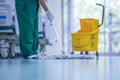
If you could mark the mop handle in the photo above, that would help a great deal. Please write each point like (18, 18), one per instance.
(52, 22)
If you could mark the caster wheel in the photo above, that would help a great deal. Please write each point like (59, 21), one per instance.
(97, 55)
(72, 52)
(4, 53)
(86, 52)
(12, 50)
(81, 52)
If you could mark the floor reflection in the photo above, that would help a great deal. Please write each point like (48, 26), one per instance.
(106, 68)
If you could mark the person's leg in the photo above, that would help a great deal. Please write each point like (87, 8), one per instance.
(25, 10)
(35, 31)
(35, 35)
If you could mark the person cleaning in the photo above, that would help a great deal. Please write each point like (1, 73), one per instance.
(27, 15)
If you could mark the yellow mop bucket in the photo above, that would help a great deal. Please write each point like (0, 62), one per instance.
(87, 38)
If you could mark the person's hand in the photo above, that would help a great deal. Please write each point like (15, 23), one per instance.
(50, 16)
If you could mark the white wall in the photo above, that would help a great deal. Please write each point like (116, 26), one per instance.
(55, 8)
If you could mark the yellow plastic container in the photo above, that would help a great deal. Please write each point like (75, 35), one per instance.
(89, 24)
(87, 38)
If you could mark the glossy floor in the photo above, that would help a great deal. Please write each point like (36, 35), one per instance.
(106, 68)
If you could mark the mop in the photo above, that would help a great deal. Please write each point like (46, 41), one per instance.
(43, 42)
(63, 55)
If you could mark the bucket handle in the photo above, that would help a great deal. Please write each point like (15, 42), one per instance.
(103, 12)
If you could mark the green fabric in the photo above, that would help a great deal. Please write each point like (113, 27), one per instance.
(27, 15)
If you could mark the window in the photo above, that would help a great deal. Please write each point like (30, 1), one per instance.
(109, 33)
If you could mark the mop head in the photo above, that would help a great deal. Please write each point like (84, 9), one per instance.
(71, 57)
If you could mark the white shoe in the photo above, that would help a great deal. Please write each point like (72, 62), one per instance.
(33, 57)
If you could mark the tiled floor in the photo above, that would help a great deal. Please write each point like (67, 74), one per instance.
(106, 68)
